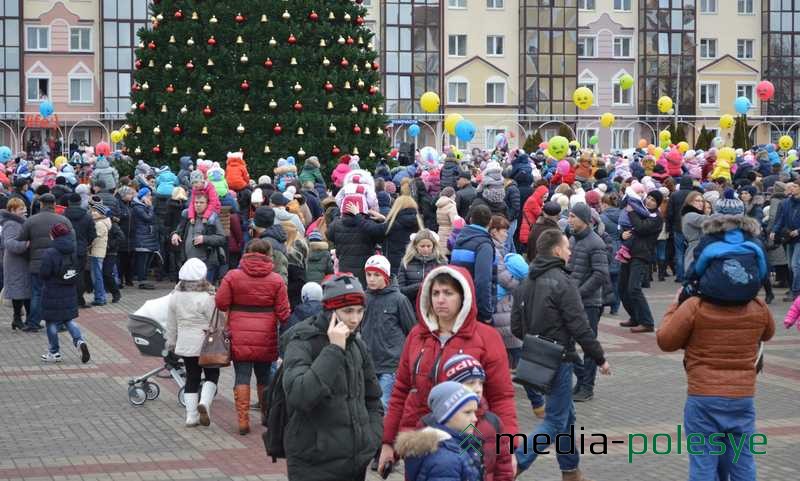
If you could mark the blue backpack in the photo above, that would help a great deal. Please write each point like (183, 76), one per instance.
(731, 270)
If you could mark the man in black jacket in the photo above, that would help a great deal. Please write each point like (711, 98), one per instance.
(465, 194)
(85, 233)
(548, 304)
(673, 221)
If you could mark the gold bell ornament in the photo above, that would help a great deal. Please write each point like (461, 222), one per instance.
(332, 128)
(152, 64)
(195, 16)
(207, 88)
(239, 39)
(163, 108)
(204, 131)
(293, 61)
(246, 108)
(137, 150)
(267, 149)
(174, 151)
(286, 15)
(300, 131)
(322, 43)
(213, 19)
(330, 105)
(145, 86)
(172, 39)
(301, 152)
(273, 104)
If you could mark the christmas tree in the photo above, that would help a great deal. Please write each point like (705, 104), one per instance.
(273, 79)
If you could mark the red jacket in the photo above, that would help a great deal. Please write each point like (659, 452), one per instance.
(254, 333)
(531, 211)
(236, 173)
(423, 359)
(568, 179)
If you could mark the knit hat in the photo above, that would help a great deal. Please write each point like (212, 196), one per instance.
(311, 292)
(97, 205)
(264, 179)
(143, 192)
(59, 230)
(459, 223)
(380, 265)
(657, 196)
(779, 188)
(463, 367)
(196, 176)
(516, 265)
(551, 208)
(264, 217)
(315, 236)
(448, 192)
(583, 212)
(447, 398)
(729, 204)
(389, 187)
(711, 196)
(257, 197)
(193, 270)
(342, 290)
(593, 198)
(278, 199)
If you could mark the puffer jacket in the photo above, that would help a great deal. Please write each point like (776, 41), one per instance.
(99, 246)
(398, 236)
(103, 171)
(610, 219)
(720, 344)
(410, 277)
(555, 311)
(144, 228)
(522, 174)
(474, 250)
(276, 237)
(16, 277)
(502, 308)
(320, 262)
(464, 199)
(388, 319)
(190, 311)
(446, 212)
(126, 223)
(185, 172)
(256, 300)
(59, 302)
(354, 238)
(645, 234)
(589, 266)
(435, 453)
(84, 228)
(333, 402)
(513, 205)
(449, 173)
(166, 183)
(236, 173)
(788, 218)
(425, 354)
(531, 212)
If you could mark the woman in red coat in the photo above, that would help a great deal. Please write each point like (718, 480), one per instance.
(531, 211)
(256, 300)
(448, 325)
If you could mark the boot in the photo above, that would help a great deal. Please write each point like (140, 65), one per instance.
(206, 398)
(17, 322)
(573, 476)
(662, 271)
(262, 405)
(191, 409)
(241, 396)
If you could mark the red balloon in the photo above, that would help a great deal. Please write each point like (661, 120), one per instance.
(765, 90)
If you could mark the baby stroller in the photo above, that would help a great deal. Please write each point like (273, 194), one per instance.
(148, 326)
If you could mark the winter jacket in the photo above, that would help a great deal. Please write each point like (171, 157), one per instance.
(464, 198)
(339, 173)
(301, 312)
(645, 234)
(788, 218)
(214, 205)
(474, 251)
(83, 225)
(548, 303)
(720, 344)
(185, 172)
(384, 202)
(283, 215)
(543, 223)
(449, 174)
(312, 174)
(296, 272)
(116, 238)
(425, 354)
(313, 203)
(692, 228)
(256, 300)
(589, 266)
(388, 318)
(174, 213)
(497, 208)
(276, 236)
(398, 236)
(354, 238)
(522, 174)
(446, 212)
(502, 308)
(427, 209)
(36, 229)
(144, 228)
(212, 250)
(334, 405)
(99, 246)
(531, 212)
(125, 214)
(610, 219)
(436, 453)
(103, 171)
(513, 202)
(776, 254)
(236, 235)
(16, 278)
(675, 205)
(236, 173)
(190, 314)
(59, 302)
(410, 277)
(319, 263)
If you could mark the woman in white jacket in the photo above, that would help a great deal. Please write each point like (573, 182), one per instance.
(191, 306)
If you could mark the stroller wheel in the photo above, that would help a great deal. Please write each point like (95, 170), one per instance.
(151, 389)
(137, 395)
(181, 399)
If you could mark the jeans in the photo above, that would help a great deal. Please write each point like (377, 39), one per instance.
(631, 277)
(586, 371)
(709, 415)
(99, 287)
(661, 250)
(52, 334)
(679, 240)
(559, 416)
(35, 316)
(795, 263)
(386, 380)
(109, 280)
(243, 370)
(512, 228)
(214, 273)
(615, 284)
(143, 260)
(536, 399)
(194, 374)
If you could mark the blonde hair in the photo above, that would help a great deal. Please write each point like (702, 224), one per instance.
(178, 193)
(292, 236)
(402, 202)
(424, 234)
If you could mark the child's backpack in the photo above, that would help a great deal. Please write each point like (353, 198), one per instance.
(68, 273)
(731, 270)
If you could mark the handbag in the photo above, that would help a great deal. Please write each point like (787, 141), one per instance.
(540, 361)
(216, 349)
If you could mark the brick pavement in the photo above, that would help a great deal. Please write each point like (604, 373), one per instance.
(73, 422)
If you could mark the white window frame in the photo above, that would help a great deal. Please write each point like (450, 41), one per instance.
(582, 5)
(587, 78)
(622, 9)
(80, 29)
(80, 133)
(740, 3)
(706, 3)
(457, 4)
(594, 46)
(458, 80)
(38, 48)
(490, 133)
(709, 42)
(752, 48)
(707, 105)
(614, 138)
(37, 76)
(752, 96)
(585, 133)
(615, 86)
(72, 77)
(493, 4)
(614, 46)
(456, 35)
(495, 81)
(502, 45)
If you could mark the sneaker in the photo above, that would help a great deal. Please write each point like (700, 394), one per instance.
(147, 287)
(98, 303)
(29, 328)
(583, 395)
(116, 299)
(85, 356)
(628, 323)
(51, 357)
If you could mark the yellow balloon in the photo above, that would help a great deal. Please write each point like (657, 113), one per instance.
(664, 104)
(726, 121)
(429, 102)
(583, 97)
(657, 152)
(60, 161)
(785, 142)
(116, 136)
(683, 147)
(727, 153)
(607, 119)
(450, 123)
(664, 136)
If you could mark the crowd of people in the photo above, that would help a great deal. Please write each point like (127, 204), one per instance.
(396, 299)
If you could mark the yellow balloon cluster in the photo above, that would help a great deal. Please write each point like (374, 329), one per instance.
(664, 136)
(450, 123)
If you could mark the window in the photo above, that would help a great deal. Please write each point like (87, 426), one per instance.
(708, 6)
(457, 90)
(38, 38)
(708, 48)
(589, 80)
(80, 39)
(496, 91)
(586, 46)
(745, 7)
(494, 45)
(495, 4)
(621, 97)
(491, 133)
(585, 134)
(585, 4)
(457, 45)
(80, 134)
(746, 90)
(621, 6)
(38, 89)
(80, 90)
(744, 49)
(621, 139)
(622, 47)
(709, 94)
(457, 3)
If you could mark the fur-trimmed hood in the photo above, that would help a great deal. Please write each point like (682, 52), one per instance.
(469, 309)
(318, 246)
(719, 224)
(415, 444)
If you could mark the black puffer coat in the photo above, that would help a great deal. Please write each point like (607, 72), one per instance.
(398, 236)
(387, 321)
(144, 228)
(354, 238)
(126, 224)
(449, 174)
(83, 225)
(589, 266)
(409, 278)
(59, 302)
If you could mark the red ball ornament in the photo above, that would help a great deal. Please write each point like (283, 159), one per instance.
(375, 65)
(138, 64)
(157, 150)
(328, 87)
(365, 107)
(245, 86)
(189, 65)
(170, 89)
(142, 107)
(211, 41)
(344, 63)
(207, 111)
(277, 129)
(373, 90)
(356, 129)
(151, 45)
(349, 40)
(135, 87)
(178, 15)
(268, 63)
(298, 106)
(239, 18)
(335, 151)
(177, 129)
(292, 40)
(313, 16)
(359, 20)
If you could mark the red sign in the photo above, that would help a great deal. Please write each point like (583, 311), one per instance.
(36, 121)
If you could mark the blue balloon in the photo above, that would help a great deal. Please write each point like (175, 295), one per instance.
(5, 154)
(46, 108)
(413, 130)
(742, 105)
(465, 130)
